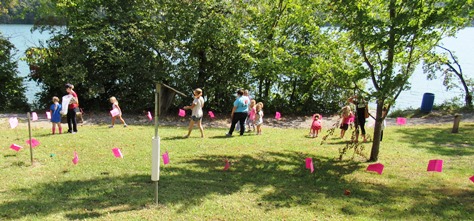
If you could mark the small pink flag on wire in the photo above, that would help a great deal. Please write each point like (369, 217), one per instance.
(472, 179)
(435, 165)
(117, 152)
(34, 116)
(75, 160)
(33, 142)
(211, 114)
(16, 147)
(48, 115)
(149, 116)
(114, 112)
(277, 115)
(401, 121)
(166, 158)
(227, 164)
(182, 113)
(13, 122)
(376, 167)
(309, 164)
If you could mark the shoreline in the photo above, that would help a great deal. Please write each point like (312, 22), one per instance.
(300, 122)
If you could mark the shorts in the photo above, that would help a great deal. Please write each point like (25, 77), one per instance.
(344, 126)
(196, 118)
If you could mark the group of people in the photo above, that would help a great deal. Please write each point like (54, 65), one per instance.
(245, 111)
(73, 108)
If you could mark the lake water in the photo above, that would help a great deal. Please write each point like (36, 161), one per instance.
(22, 38)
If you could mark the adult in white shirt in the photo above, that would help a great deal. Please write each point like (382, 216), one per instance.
(196, 116)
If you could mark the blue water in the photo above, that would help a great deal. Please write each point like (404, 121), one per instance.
(22, 38)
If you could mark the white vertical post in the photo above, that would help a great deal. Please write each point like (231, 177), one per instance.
(155, 155)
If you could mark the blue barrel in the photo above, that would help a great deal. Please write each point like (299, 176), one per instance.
(427, 102)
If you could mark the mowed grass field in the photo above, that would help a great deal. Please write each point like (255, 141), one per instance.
(267, 178)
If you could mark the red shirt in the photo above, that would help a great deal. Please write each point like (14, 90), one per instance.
(72, 106)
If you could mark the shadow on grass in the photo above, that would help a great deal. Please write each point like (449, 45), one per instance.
(441, 141)
(283, 172)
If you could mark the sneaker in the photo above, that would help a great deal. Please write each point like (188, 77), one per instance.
(111, 126)
(74, 132)
(125, 125)
(228, 135)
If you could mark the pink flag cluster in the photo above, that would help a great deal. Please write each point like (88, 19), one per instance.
(33, 142)
(149, 116)
(166, 158)
(401, 121)
(13, 122)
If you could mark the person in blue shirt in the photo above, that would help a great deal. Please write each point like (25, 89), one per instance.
(239, 113)
(55, 115)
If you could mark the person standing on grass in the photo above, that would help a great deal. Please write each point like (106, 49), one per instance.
(362, 113)
(116, 106)
(251, 117)
(197, 113)
(346, 115)
(71, 112)
(56, 115)
(259, 117)
(239, 113)
(315, 126)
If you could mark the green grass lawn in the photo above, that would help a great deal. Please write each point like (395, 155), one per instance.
(267, 179)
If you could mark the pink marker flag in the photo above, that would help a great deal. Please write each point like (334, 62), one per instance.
(34, 116)
(182, 113)
(277, 115)
(15, 147)
(435, 165)
(309, 164)
(33, 142)
(166, 158)
(13, 122)
(117, 152)
(211, 114)
(401, 120)
(75, 160)
(376, 167)
(472, 179)
(48, 115)
(114, 112)
(227, 164)
(149, 116)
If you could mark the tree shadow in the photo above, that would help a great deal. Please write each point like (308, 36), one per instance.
(441, 141)
(188, 184)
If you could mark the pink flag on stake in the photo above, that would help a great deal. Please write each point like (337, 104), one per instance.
(33, 142)
(34, 116)
(376, 167)
(114, 112)
(401, 120)
(149, 116)
(309, 164)
(472, 178)
(117, 152)
(211, 114)
(435, 165)
(75, 160)
(48, 115)
(13, 122)
(166, 158)
(227, 164)
(277, 115)
(182, 113)
(15, 147)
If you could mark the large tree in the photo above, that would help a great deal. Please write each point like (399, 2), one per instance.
(12, 90)
(392, 37)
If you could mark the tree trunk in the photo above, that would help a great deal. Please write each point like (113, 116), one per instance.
(374, 153)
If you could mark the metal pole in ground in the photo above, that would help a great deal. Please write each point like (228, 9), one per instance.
(28, 115)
